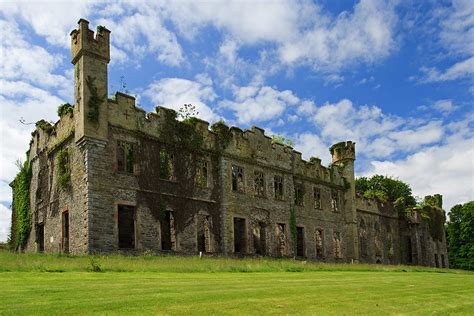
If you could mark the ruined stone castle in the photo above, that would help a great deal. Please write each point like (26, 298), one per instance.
(109, 177)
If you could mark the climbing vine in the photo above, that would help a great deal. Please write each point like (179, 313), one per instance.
(224, 135)
(94, 100)
(45, 126)
(21, 205)
(64, 169)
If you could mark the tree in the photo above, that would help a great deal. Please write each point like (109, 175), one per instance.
(280, 139)
(386, 189)
(460, 236)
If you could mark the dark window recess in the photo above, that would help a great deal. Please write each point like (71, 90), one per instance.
(259, 239)
(409, 250)
(299, 241)
(259, 184)
(125, 157)
(204, 234)
(319, 240)
(335, 200)
(436, 260)
(299, 194)
(126, 226)
(239, 235)
(167, 231)
(166, 165)
(278, 186)
(202, 173)
(317, 197)
(443, 263)
(237, 179)
(40, 237)
(65, 232)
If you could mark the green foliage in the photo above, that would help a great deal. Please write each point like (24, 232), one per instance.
(224, 135)
(21, 204)
(315, 160)
(293, 230)
(435, 218)
(280, 139)
(460, 236)
(64, 109)
(45, 126)
(386, 189)
(64, 168)
(165, 165)
(94, 100)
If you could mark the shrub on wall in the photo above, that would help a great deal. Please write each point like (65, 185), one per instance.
(64, 170)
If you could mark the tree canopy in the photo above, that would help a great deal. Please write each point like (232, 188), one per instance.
(386, 189)
(460, 236)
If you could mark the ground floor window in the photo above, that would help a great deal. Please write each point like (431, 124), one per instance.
(126, 226)
(65, 232)
(239, 235)
(300, 242)
(168, 234)
(259, 239)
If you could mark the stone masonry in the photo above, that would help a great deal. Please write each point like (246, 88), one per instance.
(148, 182)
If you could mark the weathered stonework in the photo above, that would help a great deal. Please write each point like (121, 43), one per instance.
(136, 185)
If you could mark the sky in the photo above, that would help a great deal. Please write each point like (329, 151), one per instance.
(396, 77)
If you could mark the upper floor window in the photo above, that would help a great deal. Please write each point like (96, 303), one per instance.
(166, 165)
(335, 200)
(278, 187)
(259, 183)
(125, 157)
(317, 197)
(299, 194)
(237, 179)
(202, 167)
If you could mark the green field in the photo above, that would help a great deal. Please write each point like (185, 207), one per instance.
(53, 284)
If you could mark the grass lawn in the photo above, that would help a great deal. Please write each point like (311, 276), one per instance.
(51, 284)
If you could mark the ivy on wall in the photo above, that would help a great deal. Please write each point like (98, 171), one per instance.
(64, 109)
(64, 168)
(224, 135)
(21, 205)
(94, 100)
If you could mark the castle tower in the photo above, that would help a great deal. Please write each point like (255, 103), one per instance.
(90, 57)
(343, 156)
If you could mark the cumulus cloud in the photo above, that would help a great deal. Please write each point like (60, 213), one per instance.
(311, 145)
(5, 222)
(259, 103)
(175, 92)
(462, 69)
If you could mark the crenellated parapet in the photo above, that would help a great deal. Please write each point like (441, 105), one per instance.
(84, 41)
(343, 151)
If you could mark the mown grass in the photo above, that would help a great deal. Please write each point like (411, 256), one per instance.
(31, 284)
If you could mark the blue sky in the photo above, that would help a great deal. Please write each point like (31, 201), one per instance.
(396, 77)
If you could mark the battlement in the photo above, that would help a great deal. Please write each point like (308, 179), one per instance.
(84, 41)
(343, 151)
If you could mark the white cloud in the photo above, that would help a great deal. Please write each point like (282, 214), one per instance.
(175, 92)
(462, 69)
(5, 222)
(311, 145)
(444, 106)
(447, 169)
(366, 35)
(53, 20)
(259, 103)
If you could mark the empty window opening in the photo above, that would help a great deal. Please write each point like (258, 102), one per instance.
(335, 200)
(319, 240)
(259, 183)
(299, 194)
(166, 165)
(239, 235)
(259, 239)
(337, 245)
(204, 233)
(436, 260)
(443, 263)
(126, 226)
(202, 167)
(168, 236)
(237, 179)
(317, 197)
(282, 243)
(65, 232)
(409, 251)
(125, 157)
(40, 237)
(299, 241)
(278, 186)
